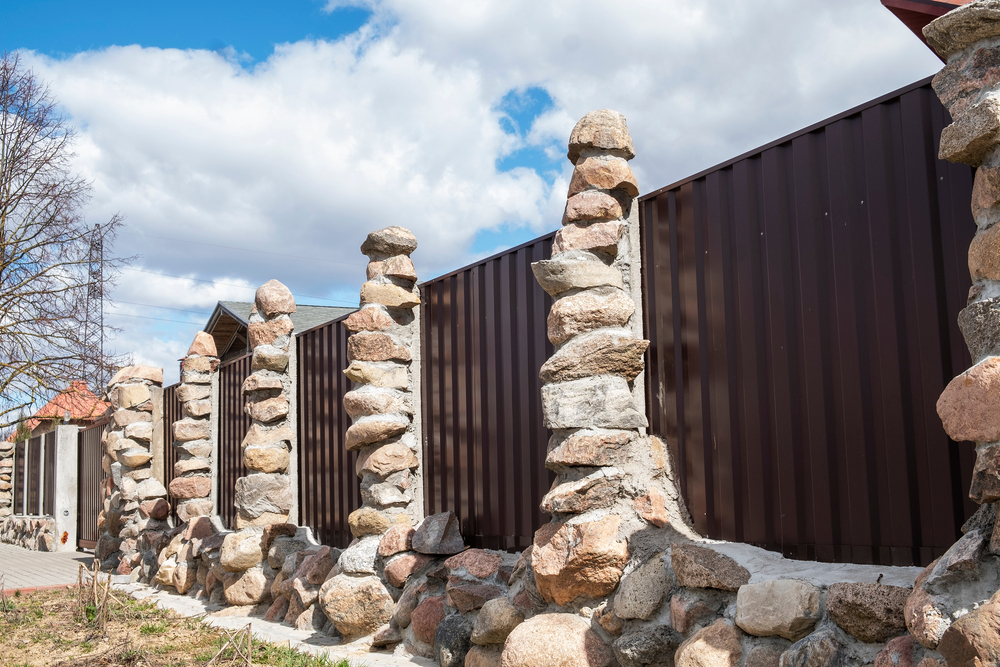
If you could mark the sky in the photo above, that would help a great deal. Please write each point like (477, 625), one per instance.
(245, 141)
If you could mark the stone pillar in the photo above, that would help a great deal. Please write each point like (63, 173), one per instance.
(194, 471)
(135, 494)
(6, 478)
(67, 487)
(265, 496)
(610, 479)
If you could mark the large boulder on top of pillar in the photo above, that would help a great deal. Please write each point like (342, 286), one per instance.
(555, 640)
(389, 241)
(138, 372)
(601, 130)
(962, 27)
(967, 406)
(203, 345)
(273, 298)
(582, 560)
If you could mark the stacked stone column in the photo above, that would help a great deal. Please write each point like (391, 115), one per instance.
(195, 434)
(606, 487)
(129, 509)
(381, 350)
(266, 496)
(6, 474)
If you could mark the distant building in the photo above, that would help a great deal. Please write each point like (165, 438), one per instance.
(74, 405)
(229, 320)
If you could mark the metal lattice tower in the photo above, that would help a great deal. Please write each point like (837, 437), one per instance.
(94, 371)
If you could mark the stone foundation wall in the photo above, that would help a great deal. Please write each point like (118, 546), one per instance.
(34, 533)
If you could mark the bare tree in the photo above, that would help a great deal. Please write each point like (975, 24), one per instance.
(50, 275)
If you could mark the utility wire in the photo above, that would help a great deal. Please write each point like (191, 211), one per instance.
(229, 247)
(149, 305)
(143, 317)
(216, 282)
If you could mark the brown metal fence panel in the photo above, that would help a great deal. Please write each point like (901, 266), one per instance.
(20, 451)
(90, 484)
(171, 413)
(33, 477)
(329, 488)
(801, 302)
(49, 492)
(233, 426)
(483, 332)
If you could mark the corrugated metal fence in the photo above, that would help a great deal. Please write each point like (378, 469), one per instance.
(233, 425)
(329, 488)
(90, 484)
(483, 336)
(801, 303)
(171, 413)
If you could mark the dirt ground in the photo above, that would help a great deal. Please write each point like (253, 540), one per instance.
(74, 627)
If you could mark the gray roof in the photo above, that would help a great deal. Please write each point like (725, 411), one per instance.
(304, 317)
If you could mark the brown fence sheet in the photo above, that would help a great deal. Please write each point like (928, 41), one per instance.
(90, 484)
(233, 426)
(801, 303)
(483, 336)
(171, 414)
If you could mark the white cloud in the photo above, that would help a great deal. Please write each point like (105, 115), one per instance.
(398, 123)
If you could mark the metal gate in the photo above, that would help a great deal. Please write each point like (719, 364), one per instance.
(90, 484)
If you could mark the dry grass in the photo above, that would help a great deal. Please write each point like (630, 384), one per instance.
(92, 626)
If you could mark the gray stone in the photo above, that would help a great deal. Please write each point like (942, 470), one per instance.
(973, 134)
(281, 548)
(641, 592)
(242, 550)
(604, 402)
(820, 649)
(359, 558)
(250, 587)
(600, 353)
(438, 534)
(870, 612)
(150, 488)
(193, 392)
(140, 430)
(259, 493)
(389, 241)
(451, 641)
(575, 269)
(649, 646)
(134, 457)
(496, 620)
(963, 26)
(595, 491)
(357, 606)
(784, 607)
(383, 494)
(268, 357)
(980, 325)
(700, 567)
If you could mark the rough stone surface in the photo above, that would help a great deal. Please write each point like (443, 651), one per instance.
(359, 557)
(654, 646)
(718, 645)
(870, 612)
(596, 236)
(603, 172)
(770, 656)
(379, 402)
(357, 606)
(902, 651)
(387, 375)
(376, 347)
(157, 509)
(400, 569)
(963, 27)
(397, 539)
(496, 620)
(451, 641)
(266, 459)
(426, 617)
(373, 430)
(687, 610)
(388, 459)
(389, 241)
(984, 255)
(604, 402)
(652, 507)
(368, 521)
(578, 560)
(258, 435)
(477, 562)
(138, 372)
(150, 488)
(388, 294)
(587, 448)
(248, 588)
(600, 489)
(371, 318)
(134, 457)
(700, 567)
(782, 607)
(438, 534)
(397, 266)
(467, 596)
(967, 406)
(190, 487)
(273, 299)
(642, 591)
(189, 429)
(592, 205)
(601, 130)
(259, 493)
(556, 640)
(587, 311)
(193, 464)
(974, 639)
(980, 325)
(268, 410)
(484, 656)
(985, 486)
(973, 134)
(601, 353)
(820, 649)
(265, 333)
(242, 550)
(575, 269)
(258, 382)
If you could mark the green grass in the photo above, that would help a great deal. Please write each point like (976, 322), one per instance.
(153, 628)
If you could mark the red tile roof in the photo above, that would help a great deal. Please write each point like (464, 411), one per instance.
(81, 403)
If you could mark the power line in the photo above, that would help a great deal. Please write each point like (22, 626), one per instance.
(229, 247)
(182, 310)
(143, 317)
(247, 287)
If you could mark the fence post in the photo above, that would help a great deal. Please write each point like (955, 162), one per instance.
(67, 487)
(6, 478)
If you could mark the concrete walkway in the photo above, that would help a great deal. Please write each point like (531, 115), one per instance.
(21, 568)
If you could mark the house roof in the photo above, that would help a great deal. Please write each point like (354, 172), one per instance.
(915, 14)
(228, 322)
(77, 399)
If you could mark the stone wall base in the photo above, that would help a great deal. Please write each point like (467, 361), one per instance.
(36, 533)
